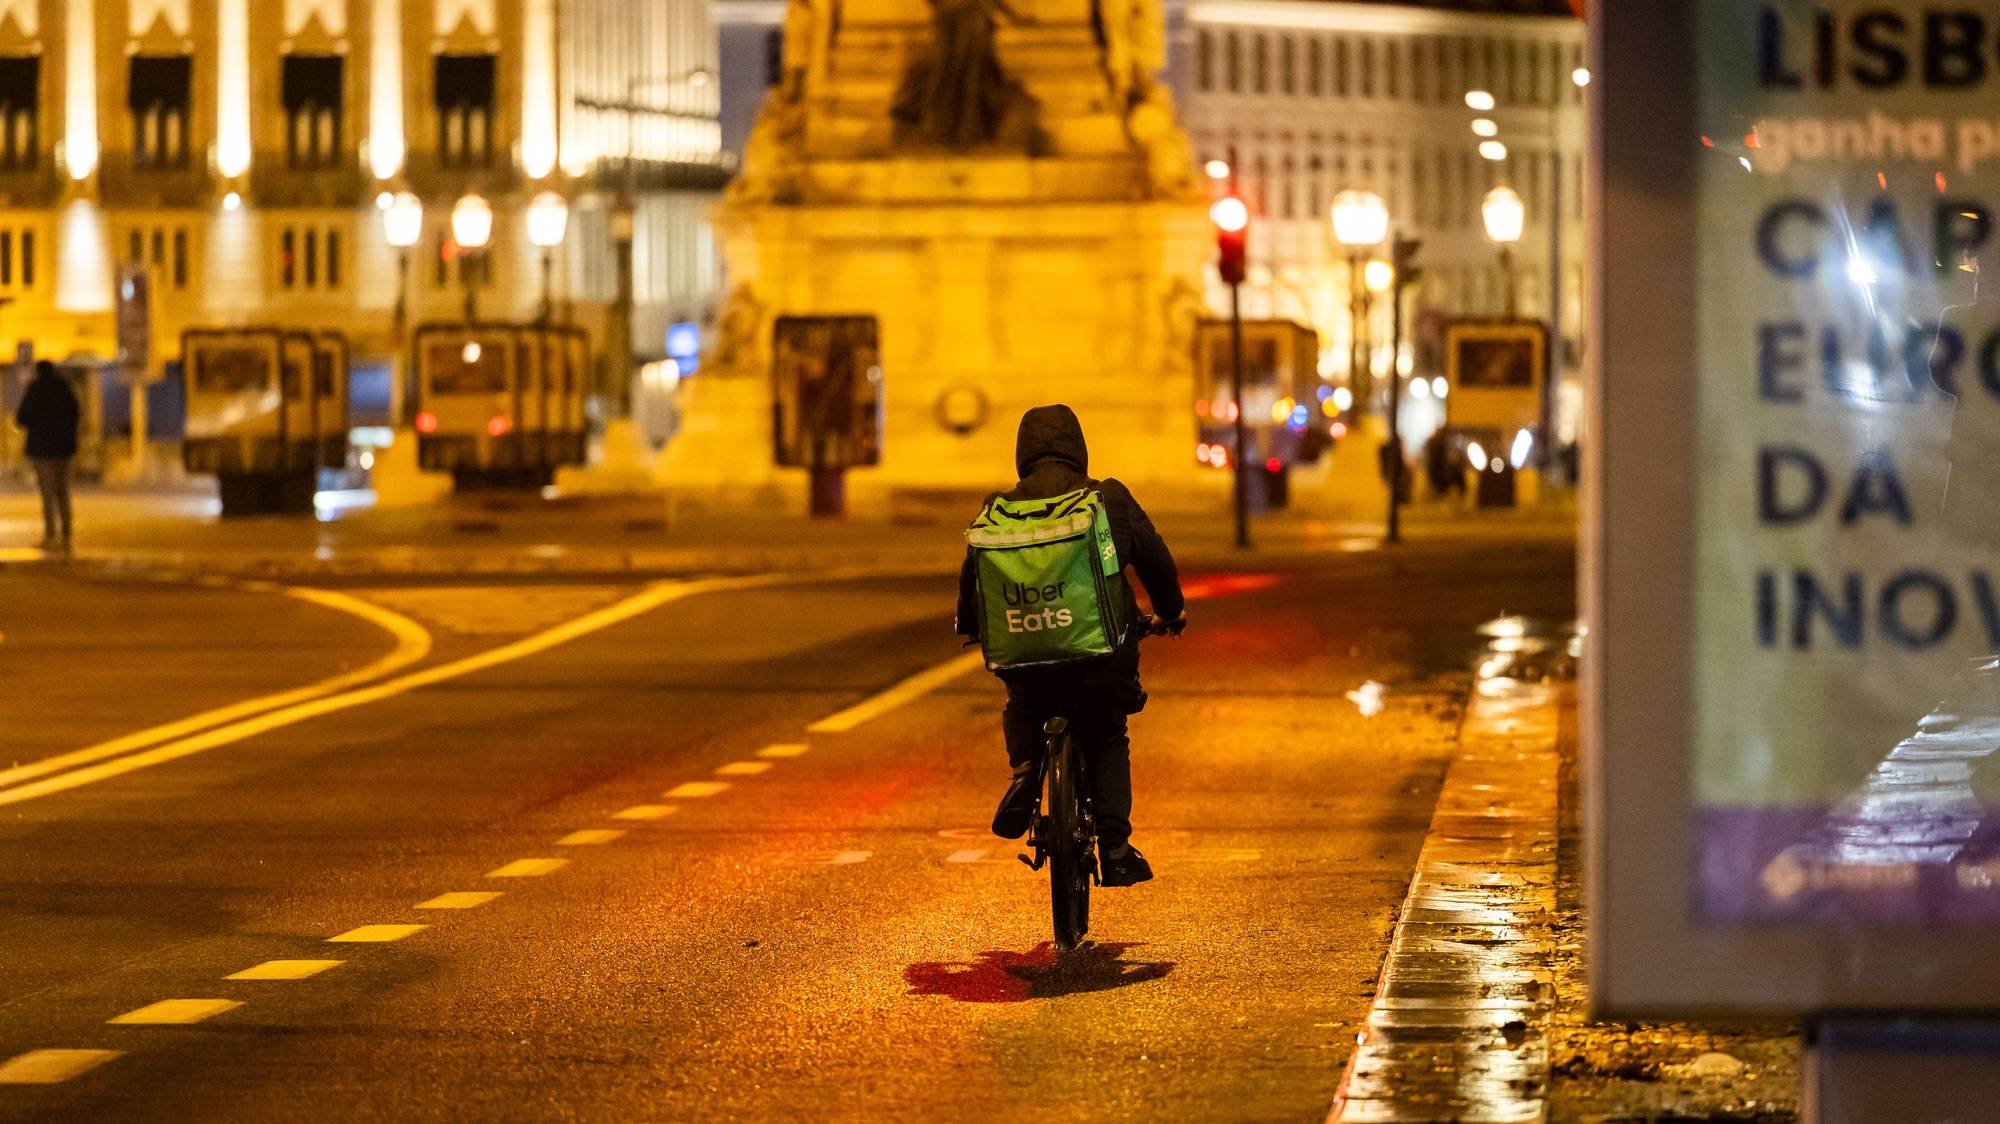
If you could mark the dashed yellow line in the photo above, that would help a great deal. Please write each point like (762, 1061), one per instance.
(909, 690)
(645, 812)
(590, 836)
(743, 768)
(285, 970)
(375, 934)
(52, 1067)
(175, 1012)
(528, 868)
(694, 790)
(460, 899)
(787, 749)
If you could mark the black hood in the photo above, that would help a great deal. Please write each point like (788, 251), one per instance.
(1050, 432)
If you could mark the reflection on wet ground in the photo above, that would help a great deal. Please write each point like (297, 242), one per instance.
(1457, 1029)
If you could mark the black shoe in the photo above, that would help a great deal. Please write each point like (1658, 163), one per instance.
(1125, 867)
(1017, 808)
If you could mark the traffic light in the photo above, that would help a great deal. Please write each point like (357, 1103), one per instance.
(1232, 230)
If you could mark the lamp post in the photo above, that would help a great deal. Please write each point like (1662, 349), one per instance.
(1360, 221)
(1505, 215)
(402, 225)
(548, 220)
(1403, 260)
(472, 229)
(1232, 233)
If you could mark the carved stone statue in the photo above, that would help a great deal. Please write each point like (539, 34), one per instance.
(956, 95)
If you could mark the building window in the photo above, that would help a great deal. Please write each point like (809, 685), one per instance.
(1420, 70)
(473, 269)
(464, 90)
(19, 76)
(1232, 62)
(160, 96)
(1315, 67)
(1204, 60)
(309, 258)
(1340, 84)
(774, 57)
(1260, 63)
(312, 98)
(17, 258)
(1288, 66)
(1392, 69)
(1367, 68)
(164, 250)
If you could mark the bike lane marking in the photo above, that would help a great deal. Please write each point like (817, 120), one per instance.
(413, 643)
(909, 690)
(52, 1067)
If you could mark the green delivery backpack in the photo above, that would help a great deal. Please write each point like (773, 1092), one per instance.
(1049, 590)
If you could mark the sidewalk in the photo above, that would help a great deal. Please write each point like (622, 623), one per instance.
(1481, 1012)
(525, 534)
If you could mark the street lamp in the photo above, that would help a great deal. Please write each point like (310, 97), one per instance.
(471, 229)
(402, 226)
(1402, 261)
(1360, 221)
(1505, 215)
(1232, 235)
(548, 220)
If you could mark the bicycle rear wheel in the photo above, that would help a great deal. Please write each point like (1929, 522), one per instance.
(1069, 841)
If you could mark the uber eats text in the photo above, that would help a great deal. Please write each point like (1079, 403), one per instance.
(1032, 620)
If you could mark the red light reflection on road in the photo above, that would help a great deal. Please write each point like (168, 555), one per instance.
(1225, 585)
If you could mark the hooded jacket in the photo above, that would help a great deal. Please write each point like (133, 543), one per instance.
(50, 414)
(1051, 458)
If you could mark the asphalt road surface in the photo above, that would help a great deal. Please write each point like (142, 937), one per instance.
(552, 852)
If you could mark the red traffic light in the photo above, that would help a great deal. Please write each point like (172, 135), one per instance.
(1232, 231)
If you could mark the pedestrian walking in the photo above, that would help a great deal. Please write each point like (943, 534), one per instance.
(50, 413)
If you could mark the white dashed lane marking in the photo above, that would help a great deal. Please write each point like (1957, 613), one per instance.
(52, 1067)
(175, 1012)
(969, 855)
(460, 899)
(787, 749)
(375, 934)
(285, 970)
(848, 858)
(742, 768)
(645, 812)
(593, 835)
(528, 868)
(695, 789)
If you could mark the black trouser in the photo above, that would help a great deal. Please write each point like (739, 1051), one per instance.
(1096, 705)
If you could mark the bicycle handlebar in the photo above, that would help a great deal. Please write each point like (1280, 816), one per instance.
(1152, 625)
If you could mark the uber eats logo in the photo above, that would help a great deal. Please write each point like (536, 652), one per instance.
(1030, 619)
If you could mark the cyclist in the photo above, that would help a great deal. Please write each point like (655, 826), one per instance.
(1052, 460)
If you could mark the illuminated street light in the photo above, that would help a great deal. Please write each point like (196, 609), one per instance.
(1493, 150)
(1217, 169)
(1378, 275)
(1229, 215)
(402, 226)
(472, 222)
(1484, 127)
(472, 229)
(548, 219)
(403, 220)
(1580, 76)
(1505, 215)
(1360, 221)
(1480, 100)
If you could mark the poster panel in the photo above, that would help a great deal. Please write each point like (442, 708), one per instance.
(827, 391)
(1495, 369)
(1791, 694)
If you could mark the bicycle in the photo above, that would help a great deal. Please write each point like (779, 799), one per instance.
(1063, 834)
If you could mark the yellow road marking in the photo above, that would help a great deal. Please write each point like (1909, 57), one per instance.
(52, 1067)
(375, 934)
(695, 789)
(969, 855)
(788, 749)
(460, 899)
(412, 644)
(652, 597)
(285, 970)
(846, 858)
(590, 835)
(175, 1012)
(742, 768)
(645, 812)
(528, 868)
(915, 687)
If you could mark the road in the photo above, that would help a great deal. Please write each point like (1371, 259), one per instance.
(591, 861)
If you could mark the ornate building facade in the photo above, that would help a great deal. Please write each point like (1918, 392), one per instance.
(240, 153)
